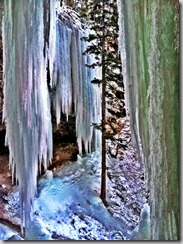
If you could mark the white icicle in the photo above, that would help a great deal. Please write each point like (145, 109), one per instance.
(26, 109)
(72, 79)
(28, 45)
(52, 37)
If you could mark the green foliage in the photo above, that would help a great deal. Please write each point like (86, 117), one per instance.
(91, 11)
(104, 24)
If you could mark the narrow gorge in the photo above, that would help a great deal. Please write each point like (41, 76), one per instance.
(49, 106)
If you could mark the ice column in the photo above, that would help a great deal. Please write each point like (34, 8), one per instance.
(26, 110)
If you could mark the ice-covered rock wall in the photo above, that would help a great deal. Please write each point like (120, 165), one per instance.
(34, 39)
(149, 45)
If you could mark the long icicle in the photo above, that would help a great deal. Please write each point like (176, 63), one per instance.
(72, 79)
(26, 109)
(27, 46)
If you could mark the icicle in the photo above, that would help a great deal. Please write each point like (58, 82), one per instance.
(27, 47)
(26, 109)
(122, 48)
(62, 71)
(52, 38)
(72, 79)
(86, 99)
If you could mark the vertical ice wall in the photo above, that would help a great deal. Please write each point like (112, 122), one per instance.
(1, 13)
(75, 94)
(26, 110)
(149, 44)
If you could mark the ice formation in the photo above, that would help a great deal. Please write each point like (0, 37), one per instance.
(26, 110)
(72, 78)
(33, 40)
(127, 78)
(143, 231)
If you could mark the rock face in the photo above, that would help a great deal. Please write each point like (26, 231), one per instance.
(65, 146)
(149, 42)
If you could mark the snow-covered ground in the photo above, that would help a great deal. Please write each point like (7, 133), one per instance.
(68, 206)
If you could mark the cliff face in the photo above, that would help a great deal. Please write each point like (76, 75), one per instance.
(149, 42)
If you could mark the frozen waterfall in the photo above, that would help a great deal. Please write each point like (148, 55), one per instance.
(26, 112)
(72, 78)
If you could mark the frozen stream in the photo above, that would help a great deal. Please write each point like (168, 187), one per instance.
(67, 205)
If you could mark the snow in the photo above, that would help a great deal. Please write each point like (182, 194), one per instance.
(68, 207)
(6, 232)
(142, 231)
(75, 209)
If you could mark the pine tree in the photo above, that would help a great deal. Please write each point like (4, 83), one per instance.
(94, 11)
(103, 173)
(102, 16)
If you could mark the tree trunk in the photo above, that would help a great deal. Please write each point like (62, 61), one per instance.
(103, 172)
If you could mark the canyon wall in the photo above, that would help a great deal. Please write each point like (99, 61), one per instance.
(149, 45)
